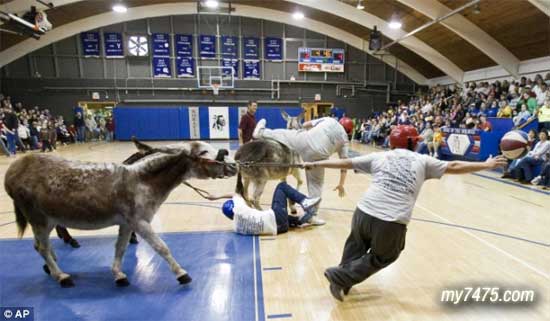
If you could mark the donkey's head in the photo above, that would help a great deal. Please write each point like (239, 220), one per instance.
(293, 122)
(206, 161)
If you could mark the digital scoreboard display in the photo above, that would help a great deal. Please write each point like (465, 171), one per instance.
(320, 60)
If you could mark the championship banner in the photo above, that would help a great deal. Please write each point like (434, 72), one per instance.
(90, 44)
(161, 67)
(273, 49)
(161, 45)
(207, 46)
(230, 47)
(218, 122)
(184, 45)
(194, 123)
(185, 67)
(113, 45)
(233, 63)
(251, 69)
(251, 48)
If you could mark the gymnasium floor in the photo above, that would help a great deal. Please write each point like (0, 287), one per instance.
(467, 231)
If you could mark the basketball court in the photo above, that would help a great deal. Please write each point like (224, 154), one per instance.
(472, 230)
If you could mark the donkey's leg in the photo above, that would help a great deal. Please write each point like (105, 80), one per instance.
(246, 183)
(258, 191)
(42, 240)
(144, 229)
(124, 232)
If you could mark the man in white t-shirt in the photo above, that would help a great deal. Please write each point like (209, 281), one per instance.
(321, 138)
(380, 220)
(276, 220)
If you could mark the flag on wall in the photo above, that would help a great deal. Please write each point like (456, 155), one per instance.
(113, 45)
(90, 44)
(194, 123)
(207, 46)
(219, 122)
(273, 49)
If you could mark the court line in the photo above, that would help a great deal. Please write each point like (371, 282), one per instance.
(532, 189)
(526, 201)
(279, 316)
(255, 278)
(260, 291)
(491, 245)
(275, 268)
(6, 212)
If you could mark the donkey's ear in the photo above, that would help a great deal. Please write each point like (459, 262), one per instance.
(141, 146)
(285, 115)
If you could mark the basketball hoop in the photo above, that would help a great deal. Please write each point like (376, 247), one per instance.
(216, 89)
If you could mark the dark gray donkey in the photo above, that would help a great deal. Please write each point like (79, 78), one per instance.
(49, 190)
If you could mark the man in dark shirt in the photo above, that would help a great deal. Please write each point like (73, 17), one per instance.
(248, 123)
(12, 123)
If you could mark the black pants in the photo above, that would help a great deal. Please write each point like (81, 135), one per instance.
(372, 245)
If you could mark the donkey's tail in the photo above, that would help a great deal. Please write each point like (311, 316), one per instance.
(240, 188)
(21, 221)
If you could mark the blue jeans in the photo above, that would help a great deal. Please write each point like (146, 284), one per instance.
(525, 168)
(283, 193)
(545, 174)
(81, 134)
(12, 139)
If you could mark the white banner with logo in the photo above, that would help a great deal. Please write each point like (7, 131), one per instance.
(219, 122)
(194, 124)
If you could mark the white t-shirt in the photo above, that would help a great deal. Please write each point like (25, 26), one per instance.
(398, 176)
(250, 221)
(325, 138)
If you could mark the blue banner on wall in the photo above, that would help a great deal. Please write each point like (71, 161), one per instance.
(230, 47)
(113, 45)
(161, 45)
(185, 67)
(207, 46)
(90, 44)
(251, 48)
(184, 45)
(161, 67)
(273, 48)
(232, 63)
(251, 69)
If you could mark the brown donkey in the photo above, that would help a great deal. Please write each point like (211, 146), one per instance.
(48, 190)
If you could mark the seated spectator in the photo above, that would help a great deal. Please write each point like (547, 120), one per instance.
(484, 124)
(544, 115)
(427, 140)
(34, 132)
(493, 111)
(524, 169)
(505, 111)
(522, 116)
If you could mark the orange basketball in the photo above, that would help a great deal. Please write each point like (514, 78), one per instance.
(347, 123)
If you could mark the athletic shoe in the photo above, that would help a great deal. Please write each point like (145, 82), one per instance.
(315, 221)
(506, 175)
(536, 180)
(308, 203)
(259, 130)
(335, 289)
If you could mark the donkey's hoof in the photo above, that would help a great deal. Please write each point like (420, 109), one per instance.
(184, 279)
(66, 283)
(46, 269)
(122, 282)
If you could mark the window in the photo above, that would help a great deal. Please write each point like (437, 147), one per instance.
(138, 46)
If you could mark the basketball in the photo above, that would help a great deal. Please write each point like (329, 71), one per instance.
(347, 123)
(514, 144)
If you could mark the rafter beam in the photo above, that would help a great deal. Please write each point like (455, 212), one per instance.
(469, 32)
(543, 5)
(368, 20)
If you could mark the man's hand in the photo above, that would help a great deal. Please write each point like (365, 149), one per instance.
(499, 161)
(341, 190)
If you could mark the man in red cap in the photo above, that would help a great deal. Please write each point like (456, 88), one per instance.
(380, 220)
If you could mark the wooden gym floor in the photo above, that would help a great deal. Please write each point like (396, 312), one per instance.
(467, 231)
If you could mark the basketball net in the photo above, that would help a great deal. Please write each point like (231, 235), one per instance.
(216, 89)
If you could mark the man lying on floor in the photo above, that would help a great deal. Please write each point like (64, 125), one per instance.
(250, 221)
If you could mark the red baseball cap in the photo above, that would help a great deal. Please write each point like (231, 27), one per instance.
(400, 135)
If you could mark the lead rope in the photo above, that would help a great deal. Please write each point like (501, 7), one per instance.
(199, 191)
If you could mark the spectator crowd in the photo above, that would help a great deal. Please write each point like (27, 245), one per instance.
(23, 129)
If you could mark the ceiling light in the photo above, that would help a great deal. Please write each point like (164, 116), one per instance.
(394, 24)
(213, 4)
(298, 15)
(120, 8)
(360, 5)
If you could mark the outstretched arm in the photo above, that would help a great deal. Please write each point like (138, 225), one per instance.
(460, 167)
(330, 163)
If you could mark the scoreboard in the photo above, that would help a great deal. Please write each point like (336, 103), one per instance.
(320, 60)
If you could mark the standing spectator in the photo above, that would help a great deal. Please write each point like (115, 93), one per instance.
(12, 124)
(80, 127)
(3, 146)
(91, 127)
(52, 132)
(102, 129)
(110, 126)
(24, 134)
(248, 123)
(45, 137)
(34, 135)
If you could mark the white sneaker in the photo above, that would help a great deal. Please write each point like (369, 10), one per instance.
(308, 203)
(259, 130)
(315, 221)
(536, 180)
(435, 155)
